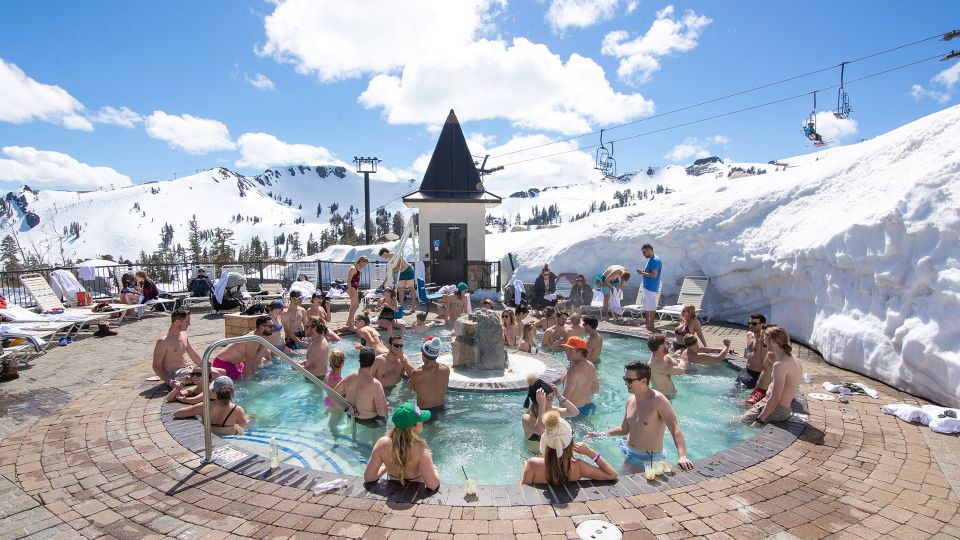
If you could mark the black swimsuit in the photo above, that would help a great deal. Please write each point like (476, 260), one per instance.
(224, 423)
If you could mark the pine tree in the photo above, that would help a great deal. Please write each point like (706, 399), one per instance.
(193, 239)
(312, 246)
(222, 252)
(397, 223)
(8, 254)
(319, 208)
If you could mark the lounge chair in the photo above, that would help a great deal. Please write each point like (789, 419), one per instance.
(268, 291)
(425, 298)
(48, 301)
(636, 309)
(692, 292)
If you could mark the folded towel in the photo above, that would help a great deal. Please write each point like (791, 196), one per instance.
(850, 389)
(12, 332)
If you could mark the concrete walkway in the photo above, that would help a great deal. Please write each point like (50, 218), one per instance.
(90, 458)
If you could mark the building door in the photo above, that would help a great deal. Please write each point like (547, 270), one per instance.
(448, 253)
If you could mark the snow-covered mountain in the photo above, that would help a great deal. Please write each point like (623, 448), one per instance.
(125, 221)
(853, 249)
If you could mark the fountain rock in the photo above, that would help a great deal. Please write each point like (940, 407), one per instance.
(479, 343)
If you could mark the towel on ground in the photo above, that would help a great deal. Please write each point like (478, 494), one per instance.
(849, 389)
(928, 415)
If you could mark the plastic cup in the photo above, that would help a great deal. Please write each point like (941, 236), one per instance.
(666, 467)
(658, 468)
(807, 378)
(650, 472)
(469, 487)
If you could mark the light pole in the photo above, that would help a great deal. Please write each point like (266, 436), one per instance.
(366, 165)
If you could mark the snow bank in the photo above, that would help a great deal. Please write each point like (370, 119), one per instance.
(853, 250)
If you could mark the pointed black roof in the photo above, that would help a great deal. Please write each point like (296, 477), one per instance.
(452, 174)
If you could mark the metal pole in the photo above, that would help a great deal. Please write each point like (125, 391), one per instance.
(366, 205)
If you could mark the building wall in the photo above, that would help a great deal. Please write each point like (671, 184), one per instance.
(472, 214)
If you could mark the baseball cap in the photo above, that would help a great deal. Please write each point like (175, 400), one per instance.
(431, 347)
(276, 304)
(221, 382)
(296, 293)
(318, 294)
(574, 342)
(407, 416)
(462, 286)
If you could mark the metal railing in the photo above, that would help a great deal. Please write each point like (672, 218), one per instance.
(205, 366)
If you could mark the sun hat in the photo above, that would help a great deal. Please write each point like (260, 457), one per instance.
(222, 381)
(407, 416)
(276, 304)
(689, 341)
(532, 391)
(431, 347)
(557, 437)
(462, 286)
(574, 342)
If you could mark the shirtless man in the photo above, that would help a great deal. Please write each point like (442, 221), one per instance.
(430, 380)
(612, 278)
(756, 354)
(662, 366)
(549, 318)
(242, 359)
(294, 320)
(363, 391)
(405, 280)
(556, 335)
(580, 382)
(648, 413)
(173, 355)
(368, 336)
(595, 340)
(390, 367)
(318, 350)
(576, 326)
(277, 338)
(787, 375)
(422, 325)
(694, 353)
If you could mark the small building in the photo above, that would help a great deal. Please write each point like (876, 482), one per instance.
(452, 205)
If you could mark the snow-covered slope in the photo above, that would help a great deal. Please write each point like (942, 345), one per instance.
(122, 222)
(853, 249)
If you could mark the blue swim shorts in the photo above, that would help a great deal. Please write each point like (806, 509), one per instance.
(640, 458)
(585, 410)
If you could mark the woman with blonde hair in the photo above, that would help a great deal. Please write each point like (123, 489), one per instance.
(689, 325)
(557, 466)
(353, 286)
(528, 339)
(402, 454)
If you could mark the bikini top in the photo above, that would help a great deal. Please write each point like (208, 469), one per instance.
(224, 423)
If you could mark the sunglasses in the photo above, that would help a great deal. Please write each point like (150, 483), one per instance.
(629, 380)
(397, 345)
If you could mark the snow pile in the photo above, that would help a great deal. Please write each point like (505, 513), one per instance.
(852, 249)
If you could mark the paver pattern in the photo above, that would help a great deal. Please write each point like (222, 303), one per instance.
(103, 465)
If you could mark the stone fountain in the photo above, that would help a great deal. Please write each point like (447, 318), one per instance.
(479, 344)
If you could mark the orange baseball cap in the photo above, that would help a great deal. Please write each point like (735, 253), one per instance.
(575, 342)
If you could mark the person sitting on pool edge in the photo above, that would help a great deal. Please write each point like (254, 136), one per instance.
(540, 400)
(226, 417)
(365, 392)
(648, 413)
(556, 464)
(430, 380)
(580, 382)
(401, 453)
(787, 375)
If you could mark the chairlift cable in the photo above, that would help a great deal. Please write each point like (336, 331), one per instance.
(721, 98)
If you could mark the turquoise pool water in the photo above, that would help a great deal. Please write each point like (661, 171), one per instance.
(480, 432)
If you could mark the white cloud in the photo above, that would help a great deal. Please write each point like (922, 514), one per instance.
(23, 99)
(692, 147)
(632, 6)
(523, 82)
(340, 39)
(575, 166)
(919, 93)
(833, 128)
(563, 14)
(28, 165)
(262, 150)
(189, 133)
(118, 117)
(261, 82)
(946, 79)
(640, 57)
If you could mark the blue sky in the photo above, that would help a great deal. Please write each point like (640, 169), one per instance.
(110, 93)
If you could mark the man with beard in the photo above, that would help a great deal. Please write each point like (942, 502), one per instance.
(236, 356)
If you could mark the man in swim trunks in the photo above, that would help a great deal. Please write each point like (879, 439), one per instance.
(612, 278)
(363, 390)
(755, 354)
(368, 336)
(787, 375)
(318, 350)
(406, 278)
(294, 321)
(431, 379)
(555, 336)
(648, 413)
(651, 285)
(390, 367)
(693, 353)
(173, 356)
(242, 359)
(663, 366)
(580, 382)
(594, 339)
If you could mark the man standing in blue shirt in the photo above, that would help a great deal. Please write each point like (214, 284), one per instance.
(651, 285)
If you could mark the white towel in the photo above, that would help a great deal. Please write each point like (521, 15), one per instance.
(840, 389)
(18, 313)
(517, 291)
(907, 413)
(945, 424)
(615, 295)
(10, 331)
(419, 271)
(67, 283)
(220, 286)
(87, 273)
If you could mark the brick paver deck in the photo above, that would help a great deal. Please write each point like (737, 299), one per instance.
(103, 465)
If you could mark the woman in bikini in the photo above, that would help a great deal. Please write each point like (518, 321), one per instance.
(455, 303)
(353, 286)
(226, 417)
(528, 339)
(509, 328)
(689, 325)
(540, 400)
(402, 454)
(556, 465)
(388, 307)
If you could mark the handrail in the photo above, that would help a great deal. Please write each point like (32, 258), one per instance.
(205, 366)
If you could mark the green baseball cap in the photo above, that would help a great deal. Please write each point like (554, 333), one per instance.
(408, 414)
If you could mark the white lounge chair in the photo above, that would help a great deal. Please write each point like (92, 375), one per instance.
(48, 301)
(692, 292)
(636, 309)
